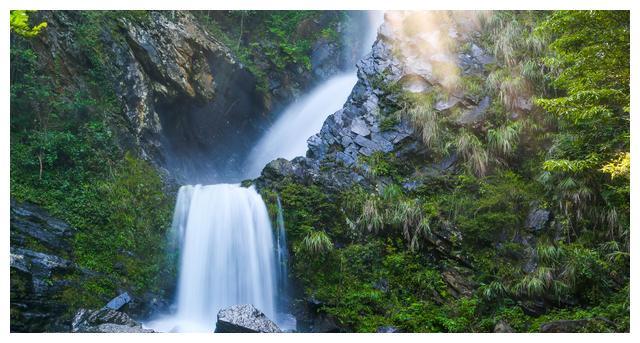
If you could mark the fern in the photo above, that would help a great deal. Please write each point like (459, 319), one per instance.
(317, 243)
(503, 140)
(471, 149)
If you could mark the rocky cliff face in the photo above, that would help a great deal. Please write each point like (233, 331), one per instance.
(335, 155)
(189, 105)
(186, 96)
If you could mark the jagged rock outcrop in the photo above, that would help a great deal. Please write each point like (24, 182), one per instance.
(538, 219)
(244, 319)
(336, 154)
(105, 320)
(42, 272)
(185, 94)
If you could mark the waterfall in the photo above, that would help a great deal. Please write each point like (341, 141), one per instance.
(282, 253)
(228, 256)
(287, 138)
(223, 233)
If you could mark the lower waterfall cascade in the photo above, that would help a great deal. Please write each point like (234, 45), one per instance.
(227, 261)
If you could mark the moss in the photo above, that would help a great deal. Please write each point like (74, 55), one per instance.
(388, 123)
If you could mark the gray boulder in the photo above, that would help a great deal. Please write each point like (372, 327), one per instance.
(105, 320)
(244, 319)
(537, 219)
(502, 327)
(388, 329)
(119, 301)
(578, 325)
(477, 113)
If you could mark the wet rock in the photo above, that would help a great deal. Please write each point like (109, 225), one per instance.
(348, 160)
(40, 266)
(325, 324)
(447, 162)
(366, 143)
(105, 320)
(445, 105)
(277, 168)
(481, 56)
(415, 83)
(502, 327)
(458, 284)
(317, 147)
(411, 185)
(383, 144)
(382, 285)
(523, 103)
(30, 222)
(244, 319)
(533, 307)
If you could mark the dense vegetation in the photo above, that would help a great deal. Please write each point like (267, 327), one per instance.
(443, 255)
(66, 157)
(266, 41)
(411, 257)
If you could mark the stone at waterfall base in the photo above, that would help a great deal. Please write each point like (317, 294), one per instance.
(244, 319)
(105, 320)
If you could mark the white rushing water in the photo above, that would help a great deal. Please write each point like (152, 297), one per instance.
(282, 259)
(228, 256)
(287, 138)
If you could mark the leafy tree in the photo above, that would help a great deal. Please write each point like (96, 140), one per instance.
(590, 72)
(19, 23)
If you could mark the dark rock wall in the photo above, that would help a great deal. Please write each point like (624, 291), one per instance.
(40, 258)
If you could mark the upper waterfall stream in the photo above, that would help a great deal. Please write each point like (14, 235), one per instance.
(287, 138)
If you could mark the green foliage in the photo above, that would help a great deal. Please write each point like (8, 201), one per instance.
(278, 40)
(388, 123)
(376, 256)
(589, 61)
(472, 150)
(503, 140)
(19, 23)
(316, 243)
(568, 154)
(65, 157)
(281, 25)
(380, 164)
